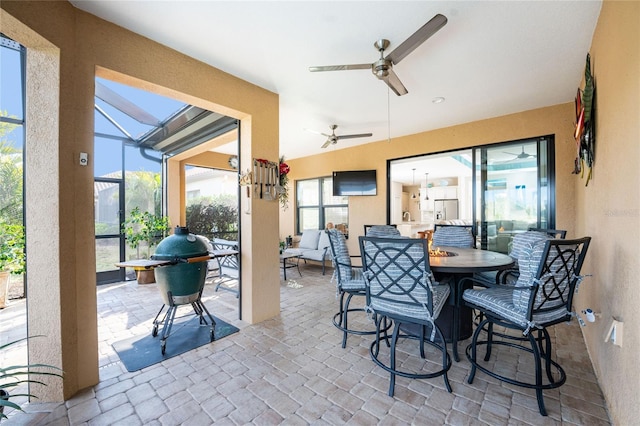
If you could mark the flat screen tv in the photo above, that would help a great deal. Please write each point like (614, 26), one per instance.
(354, 182)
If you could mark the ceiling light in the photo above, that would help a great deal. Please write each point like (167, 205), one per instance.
(413, 194)
(426, 186)
(438, 100)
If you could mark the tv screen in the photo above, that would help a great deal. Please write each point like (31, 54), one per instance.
(355, 182)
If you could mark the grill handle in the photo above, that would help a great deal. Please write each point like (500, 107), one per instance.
(195, 259)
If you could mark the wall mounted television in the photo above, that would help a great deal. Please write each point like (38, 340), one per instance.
(354, 182)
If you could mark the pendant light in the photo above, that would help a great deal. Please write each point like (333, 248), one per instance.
(413, 194)
(426, 186)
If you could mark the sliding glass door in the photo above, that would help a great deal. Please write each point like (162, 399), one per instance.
(500, 189)
(513, 190)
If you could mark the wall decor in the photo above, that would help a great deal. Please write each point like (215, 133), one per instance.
(585, 133)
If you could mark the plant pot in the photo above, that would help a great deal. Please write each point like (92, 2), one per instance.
(4, 288)
(145, 276)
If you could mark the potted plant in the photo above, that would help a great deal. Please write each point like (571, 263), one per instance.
(15, 375)
(11, 256)
(144, 227)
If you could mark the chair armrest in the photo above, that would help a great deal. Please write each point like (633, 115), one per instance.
(503, 276)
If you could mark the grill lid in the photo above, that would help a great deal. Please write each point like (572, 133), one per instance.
(180, 245)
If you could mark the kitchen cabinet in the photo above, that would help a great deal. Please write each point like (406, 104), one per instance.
(397, 202)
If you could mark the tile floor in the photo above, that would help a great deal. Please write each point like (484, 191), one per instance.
(292, 370)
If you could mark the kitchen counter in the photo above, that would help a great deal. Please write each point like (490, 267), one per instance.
(410, 229)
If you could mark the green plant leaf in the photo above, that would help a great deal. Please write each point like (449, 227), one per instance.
(587, 93)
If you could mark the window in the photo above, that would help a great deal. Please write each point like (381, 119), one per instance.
(501, 189)
(316, 206)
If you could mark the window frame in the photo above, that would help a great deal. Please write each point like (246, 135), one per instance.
(321, 206)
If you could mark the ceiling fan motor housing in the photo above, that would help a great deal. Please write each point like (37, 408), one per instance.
(380, 68)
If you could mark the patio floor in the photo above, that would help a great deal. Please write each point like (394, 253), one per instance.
(292, 370)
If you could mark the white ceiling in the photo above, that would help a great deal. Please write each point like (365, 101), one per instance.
(492, 58)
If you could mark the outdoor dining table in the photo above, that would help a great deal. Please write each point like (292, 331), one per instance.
(456, 319)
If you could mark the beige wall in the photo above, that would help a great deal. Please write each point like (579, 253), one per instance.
(556, 120)
(609, 208)
(74, 47)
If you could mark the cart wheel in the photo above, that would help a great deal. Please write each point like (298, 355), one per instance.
(163, 346)
(154, 333)
(212, 334)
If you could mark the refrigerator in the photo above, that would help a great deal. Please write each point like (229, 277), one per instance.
(445, 209)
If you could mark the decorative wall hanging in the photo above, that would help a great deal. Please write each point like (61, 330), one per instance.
(283, 181)
(585, 133)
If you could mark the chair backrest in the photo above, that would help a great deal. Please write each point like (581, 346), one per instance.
(453, 236)
(521, 243)
(398, 276)
(380, 230)
(548, 277)
(554, 233)
(230, 262)
(339, 255)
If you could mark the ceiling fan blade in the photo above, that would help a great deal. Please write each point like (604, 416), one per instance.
(315, 132)
(340, 67)
(360, 135)
(395, 84)
(417, 38)
(327, 143)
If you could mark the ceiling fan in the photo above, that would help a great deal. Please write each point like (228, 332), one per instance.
(333, 138)
(522, 156)
(383, 67)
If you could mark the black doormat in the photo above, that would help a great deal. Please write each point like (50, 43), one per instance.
(138, 352)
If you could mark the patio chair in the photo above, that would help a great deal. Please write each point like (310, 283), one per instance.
(542, 297)
(453, 236)
(520, 241)
(380, 230)
(349, 283)
(401, 288)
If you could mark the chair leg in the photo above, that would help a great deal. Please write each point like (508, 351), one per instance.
(538, 374)
(392, 358)
(487, 355)
(546, 352)
(446, 362)
(345, 320)
(473, 348)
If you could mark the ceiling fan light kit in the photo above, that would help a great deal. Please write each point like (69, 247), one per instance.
(383, 67)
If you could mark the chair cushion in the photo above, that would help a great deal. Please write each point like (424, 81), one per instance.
(323, 241)
(340, 254)
(383, 231)
(309, 239)
(530, 258)
(522, 242)
(499, 300)
(440, 295)
(554, 282)
(452, 236)
(356, 283)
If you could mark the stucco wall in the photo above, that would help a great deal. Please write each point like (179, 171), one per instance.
(609, 208)
(84, 46)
